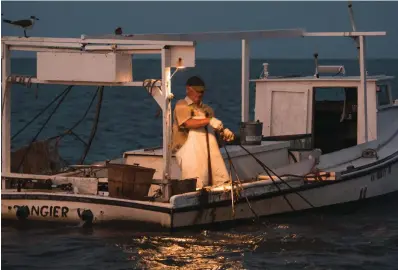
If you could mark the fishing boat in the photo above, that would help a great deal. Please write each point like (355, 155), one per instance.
(299, 152)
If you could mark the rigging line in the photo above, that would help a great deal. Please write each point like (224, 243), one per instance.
(273, 181)
(94, 128)
(283, 181)
(232, 184)
(277, 186)
(45, 123)
(70, 130)
(86, 112)
(237, 177)
(76, 136)
(3, 101)
(40, 113)
(15, 79)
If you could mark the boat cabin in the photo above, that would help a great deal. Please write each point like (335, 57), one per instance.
(327, 111)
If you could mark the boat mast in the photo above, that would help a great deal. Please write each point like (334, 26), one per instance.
(166, 109)
(362, 70)
(245, 79)
(360, 42)
(5, 112)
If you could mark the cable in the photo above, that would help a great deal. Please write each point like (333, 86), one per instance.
(94, 128)
(237, 177)
(268, 169)
(273, 181)
(292, 156)
(67, 90)
(40, 113)
(70, 130)
(149, 84)
(4, 99)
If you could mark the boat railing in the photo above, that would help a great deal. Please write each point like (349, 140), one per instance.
(298, 142)
(81, 170)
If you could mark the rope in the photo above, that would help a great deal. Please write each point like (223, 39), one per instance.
(94, 128)
(292, 156)
(149, 84)
(17, 79)
(3, 101)
(20, 79)
(41, 112)
(273, 181)
(67, 90)
(370, 153)
(232, 189)
(267, 170)
(240, 183)
(70, 130)
(209, 170)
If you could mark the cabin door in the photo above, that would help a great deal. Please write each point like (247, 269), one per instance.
(334, 118)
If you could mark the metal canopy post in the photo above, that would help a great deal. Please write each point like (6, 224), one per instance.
(5, 113)
(362, 68)
(245, 79)
(166, 108)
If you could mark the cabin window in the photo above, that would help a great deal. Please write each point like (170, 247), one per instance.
(383, 97)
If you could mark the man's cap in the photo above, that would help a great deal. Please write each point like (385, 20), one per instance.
(196, 83)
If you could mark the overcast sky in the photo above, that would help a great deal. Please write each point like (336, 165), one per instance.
(71, 19)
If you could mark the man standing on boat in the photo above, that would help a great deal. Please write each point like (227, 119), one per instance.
(196, 148)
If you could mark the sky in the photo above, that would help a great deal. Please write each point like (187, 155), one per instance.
(73, 18)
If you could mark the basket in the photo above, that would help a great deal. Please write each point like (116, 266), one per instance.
(129, 181)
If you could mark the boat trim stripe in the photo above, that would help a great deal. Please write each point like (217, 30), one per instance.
(65, 198)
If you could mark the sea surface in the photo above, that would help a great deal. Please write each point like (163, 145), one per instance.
(365, 237)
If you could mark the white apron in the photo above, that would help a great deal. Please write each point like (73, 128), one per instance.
(192, 158)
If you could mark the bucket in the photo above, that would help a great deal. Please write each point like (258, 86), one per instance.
(129, 181)
(251, 133)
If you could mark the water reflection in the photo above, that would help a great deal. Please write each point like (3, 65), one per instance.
(208, 250)
(367, 239)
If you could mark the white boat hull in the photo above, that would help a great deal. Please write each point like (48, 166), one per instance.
(345, 191)
(379, 178)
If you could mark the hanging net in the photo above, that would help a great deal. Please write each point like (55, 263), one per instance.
(40, 157)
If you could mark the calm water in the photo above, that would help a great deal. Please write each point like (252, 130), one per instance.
(360, 238)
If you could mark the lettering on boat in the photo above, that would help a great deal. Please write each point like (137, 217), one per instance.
(380, 173)
(47, 211)
(362, 193)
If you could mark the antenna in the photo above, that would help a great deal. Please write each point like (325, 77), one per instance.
(351, 13)
(316, 65)
(354, 28)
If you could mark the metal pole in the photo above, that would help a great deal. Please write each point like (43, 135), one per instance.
(362, 68)
(166, 108)
(245, 79)
(5, 113)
